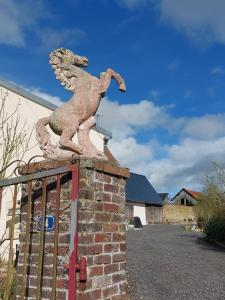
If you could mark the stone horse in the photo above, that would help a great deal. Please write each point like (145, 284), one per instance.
(76, 115)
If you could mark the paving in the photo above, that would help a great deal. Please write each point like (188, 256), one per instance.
(166, 262)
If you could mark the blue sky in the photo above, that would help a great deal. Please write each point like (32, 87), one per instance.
(169, 125)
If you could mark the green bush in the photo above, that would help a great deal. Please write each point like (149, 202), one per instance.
(215, 229)
(210, 207)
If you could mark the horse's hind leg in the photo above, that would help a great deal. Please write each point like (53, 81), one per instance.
(66, 139)
(84, 140)
(106, 78)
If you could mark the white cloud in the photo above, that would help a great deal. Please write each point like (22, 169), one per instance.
(205, 127)
(128, 149)
(168, 167)
(16, 17)
(202, 20)
(53, 99)
(186, 164)
(19, 18)
(217, 71)
(127, 118)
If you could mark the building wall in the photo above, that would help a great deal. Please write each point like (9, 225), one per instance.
(140, 211)
(178, 213)
(147, 214)
(129, 210)
(184, 198)
(154, 214)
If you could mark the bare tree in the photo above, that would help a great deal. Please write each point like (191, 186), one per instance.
(14, 137)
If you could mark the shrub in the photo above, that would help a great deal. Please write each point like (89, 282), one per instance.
(215, 229)
(210, 208)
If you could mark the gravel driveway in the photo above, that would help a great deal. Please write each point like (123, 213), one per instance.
(165, 262)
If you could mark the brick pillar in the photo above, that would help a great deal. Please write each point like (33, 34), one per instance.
(101, 232)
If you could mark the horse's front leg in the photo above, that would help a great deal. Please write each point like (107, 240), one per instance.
(106, 78)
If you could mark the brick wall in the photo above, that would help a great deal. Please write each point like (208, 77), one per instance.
(101, 229)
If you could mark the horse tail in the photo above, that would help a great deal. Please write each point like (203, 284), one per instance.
(42, 135)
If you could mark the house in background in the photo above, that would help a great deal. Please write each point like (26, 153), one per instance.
(142, 200)
(186, 197)
(166, 198)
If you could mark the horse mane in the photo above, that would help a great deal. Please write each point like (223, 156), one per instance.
(63, 68)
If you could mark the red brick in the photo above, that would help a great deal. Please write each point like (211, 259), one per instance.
(102, 237)
(110, 188)
(111, 207)
(102, 217)
(96, 271)
(111, 247)
(102, 259)
(92, 295)
(123, 247)
(118, 218)
(107, 197)
(112, 268)
(62, 283)
(85, 215)
(119, 257)
(110, 227)
(86, 194)
(86, 227)
(85, 238)
(110, 291)
(119, 237)
(91, 249)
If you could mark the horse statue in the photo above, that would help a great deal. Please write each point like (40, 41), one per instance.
(76, 115)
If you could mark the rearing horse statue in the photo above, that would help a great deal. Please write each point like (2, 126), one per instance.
(76, 115)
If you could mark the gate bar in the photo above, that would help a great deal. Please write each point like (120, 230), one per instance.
(11, 238)
(54, 269)
(73, 233)
(27, 238)
(41, 241)
(32, 176)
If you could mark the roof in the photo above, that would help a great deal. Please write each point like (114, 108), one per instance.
(139, 189)
(193, 194)
(24, 93)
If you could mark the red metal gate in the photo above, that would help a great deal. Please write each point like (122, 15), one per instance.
(38, 182)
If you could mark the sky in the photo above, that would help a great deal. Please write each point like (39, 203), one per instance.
(170, 124)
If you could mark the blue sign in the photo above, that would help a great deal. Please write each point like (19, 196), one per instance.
(49, 223)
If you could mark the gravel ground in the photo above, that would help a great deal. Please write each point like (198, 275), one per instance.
(166, 262)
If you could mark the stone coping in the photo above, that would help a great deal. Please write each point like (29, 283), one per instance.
(89, 163)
